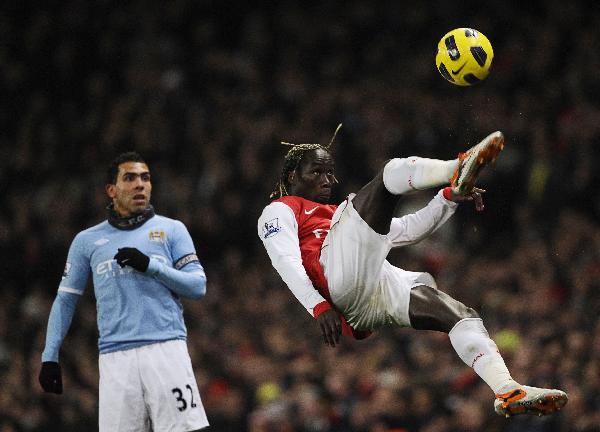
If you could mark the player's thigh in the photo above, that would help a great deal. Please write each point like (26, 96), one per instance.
(432, 309)
(352, 257)
(376, 205)
(121, 406)
(172, 393)
(396, 286)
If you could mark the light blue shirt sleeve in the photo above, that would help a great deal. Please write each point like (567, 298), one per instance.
(186, 278)
(72, 285)
(59, 322)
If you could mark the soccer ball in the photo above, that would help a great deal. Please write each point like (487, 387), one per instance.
(464, 56)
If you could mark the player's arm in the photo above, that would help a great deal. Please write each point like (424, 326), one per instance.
(70, 290)
(414, 227)
(189, 281)
(186, 278)
(278, 230)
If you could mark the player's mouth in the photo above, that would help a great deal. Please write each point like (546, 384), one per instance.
(139, 199)
(324, 196)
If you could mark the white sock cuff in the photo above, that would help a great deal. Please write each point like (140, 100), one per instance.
(469, 324)
(396, 176)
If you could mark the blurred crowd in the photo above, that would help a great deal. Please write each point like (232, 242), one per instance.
(206, 91)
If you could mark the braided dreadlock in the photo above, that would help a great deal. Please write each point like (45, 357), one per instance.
(292, 161)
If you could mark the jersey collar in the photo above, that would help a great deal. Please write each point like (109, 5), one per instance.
(131, 222)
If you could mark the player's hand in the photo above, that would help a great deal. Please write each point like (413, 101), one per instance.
(133, 258)
(331, 327)
(51, 378)
(476, 195)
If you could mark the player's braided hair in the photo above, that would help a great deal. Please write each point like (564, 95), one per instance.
(292, 161)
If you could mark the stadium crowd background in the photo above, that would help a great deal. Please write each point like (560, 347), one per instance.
(206, 92)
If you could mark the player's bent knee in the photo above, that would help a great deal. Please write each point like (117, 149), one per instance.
(469, 312)
(375, 204)
(432, 309)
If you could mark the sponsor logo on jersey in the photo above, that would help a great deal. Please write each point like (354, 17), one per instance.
(320, 232)
(157, 235)
(101, 241)
(310, 211)
(111, 268)
(185, 260)
(66, 270)
(271, 228)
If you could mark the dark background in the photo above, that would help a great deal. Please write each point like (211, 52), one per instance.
(205, 91)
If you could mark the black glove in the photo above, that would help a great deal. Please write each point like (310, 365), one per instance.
(133, 258)
(50, 378)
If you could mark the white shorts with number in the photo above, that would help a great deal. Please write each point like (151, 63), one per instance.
(150, 388)
(364, 286)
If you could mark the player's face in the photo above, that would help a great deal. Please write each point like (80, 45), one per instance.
(314, 178)
(131, 193)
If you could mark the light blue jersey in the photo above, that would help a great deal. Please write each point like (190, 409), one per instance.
(133, 308)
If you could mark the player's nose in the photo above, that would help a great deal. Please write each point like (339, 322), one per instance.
(139, 184)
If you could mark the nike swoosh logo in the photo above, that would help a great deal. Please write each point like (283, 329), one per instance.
(459, 69)
(310, 211)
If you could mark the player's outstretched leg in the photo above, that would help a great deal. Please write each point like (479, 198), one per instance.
(431, 309)
(376, 202)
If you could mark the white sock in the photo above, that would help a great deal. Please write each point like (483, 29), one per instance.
(402, 175)
(472, 343)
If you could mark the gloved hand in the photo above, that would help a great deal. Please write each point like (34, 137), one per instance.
(51, 378)
(133, 258)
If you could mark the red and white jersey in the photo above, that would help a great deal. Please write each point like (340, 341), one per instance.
(293, 230)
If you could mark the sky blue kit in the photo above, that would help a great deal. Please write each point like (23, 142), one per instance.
(133, 308)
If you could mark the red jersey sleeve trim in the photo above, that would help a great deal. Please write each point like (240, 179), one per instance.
(447, 192)
(320, 308)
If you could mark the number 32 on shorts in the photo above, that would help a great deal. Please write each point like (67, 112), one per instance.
(182, 403)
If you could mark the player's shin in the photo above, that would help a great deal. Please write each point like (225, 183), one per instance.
(472, 343)
(402, 175)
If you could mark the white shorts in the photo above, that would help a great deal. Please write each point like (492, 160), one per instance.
(150, 388)
(364, 286)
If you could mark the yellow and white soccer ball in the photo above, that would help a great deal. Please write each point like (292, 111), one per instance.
(464, 56)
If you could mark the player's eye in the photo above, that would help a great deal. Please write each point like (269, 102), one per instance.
(145, 177)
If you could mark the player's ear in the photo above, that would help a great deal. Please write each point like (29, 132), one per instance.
(110, 190)
(291, 176)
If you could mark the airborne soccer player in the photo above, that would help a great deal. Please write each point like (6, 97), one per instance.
(333, 258)
(141, 264)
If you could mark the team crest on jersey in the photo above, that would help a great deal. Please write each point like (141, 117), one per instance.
(157, 235)
(271, 228)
